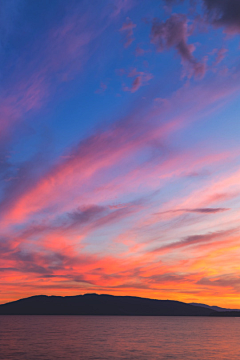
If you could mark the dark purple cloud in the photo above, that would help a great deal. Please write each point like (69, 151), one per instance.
(167, 278)
(173, 33)
(224, 13)
(207, 210)
(220, 13)
(195, 239)
(197, 210)
(86, 214)
(226, 280)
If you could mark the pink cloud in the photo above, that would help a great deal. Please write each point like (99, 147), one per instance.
(127, 28)
(118, 143)
(174, 33)
(102, 89)
(101, 151)
(220, 55)
(140, 78)
(122, 6)
(140, 52)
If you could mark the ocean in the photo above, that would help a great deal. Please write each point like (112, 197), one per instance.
(118, 337)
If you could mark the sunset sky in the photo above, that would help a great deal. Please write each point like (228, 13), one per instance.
(120, 149)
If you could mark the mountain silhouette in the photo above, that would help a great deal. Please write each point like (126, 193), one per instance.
(217, 308)
(93, 304)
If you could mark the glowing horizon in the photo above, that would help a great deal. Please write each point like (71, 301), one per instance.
(120, 155)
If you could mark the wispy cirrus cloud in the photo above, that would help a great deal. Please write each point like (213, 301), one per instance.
(10, 11)
(113, 145)
(65, 49)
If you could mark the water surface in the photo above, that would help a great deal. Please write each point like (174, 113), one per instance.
(119, 337)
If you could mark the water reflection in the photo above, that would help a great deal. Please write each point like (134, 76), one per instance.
(118, 337)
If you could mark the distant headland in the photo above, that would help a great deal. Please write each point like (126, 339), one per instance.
(94, 304)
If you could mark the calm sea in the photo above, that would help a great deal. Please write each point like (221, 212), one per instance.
(119, 337)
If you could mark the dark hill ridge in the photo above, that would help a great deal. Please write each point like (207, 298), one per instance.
(93, 304)
(217, 308)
